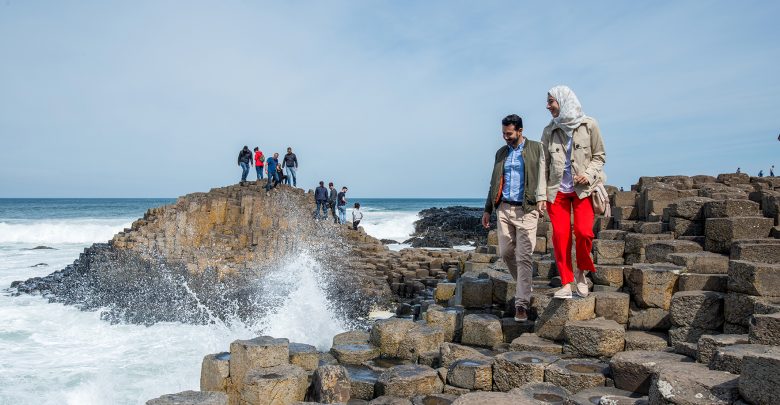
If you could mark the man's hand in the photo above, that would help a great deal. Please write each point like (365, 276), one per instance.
(486, 220)
(541, 206)
(580, 179)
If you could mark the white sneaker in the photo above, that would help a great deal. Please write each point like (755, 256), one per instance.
(581, 283)
(563, 293)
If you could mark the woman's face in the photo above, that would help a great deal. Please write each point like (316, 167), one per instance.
(552, 106)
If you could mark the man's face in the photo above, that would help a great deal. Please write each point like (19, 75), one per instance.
(276, 155)
(289, 150)
(511, 135)
(553, 107)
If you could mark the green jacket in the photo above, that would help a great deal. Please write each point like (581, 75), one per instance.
(535, 186)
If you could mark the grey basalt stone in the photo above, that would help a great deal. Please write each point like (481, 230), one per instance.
(633, 370)
(692, 383)
(576, 375)
(515, 369)
(760, 381)
(191, 398)
(699, 309)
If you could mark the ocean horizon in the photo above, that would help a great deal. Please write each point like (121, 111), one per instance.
(54, 353)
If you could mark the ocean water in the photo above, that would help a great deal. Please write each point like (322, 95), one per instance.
(57, 354)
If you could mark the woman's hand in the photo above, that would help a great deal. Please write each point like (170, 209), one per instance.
(580, 179)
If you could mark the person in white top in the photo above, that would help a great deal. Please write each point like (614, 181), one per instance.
(356, 216)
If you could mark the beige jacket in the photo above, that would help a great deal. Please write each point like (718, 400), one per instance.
(588, 157)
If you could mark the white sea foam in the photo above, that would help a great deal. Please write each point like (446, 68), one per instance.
(62, 231)
(395, 225)
(305, 314)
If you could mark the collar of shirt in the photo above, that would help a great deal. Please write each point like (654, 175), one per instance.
(519, 147)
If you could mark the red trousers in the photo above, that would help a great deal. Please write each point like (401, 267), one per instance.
(560, 215)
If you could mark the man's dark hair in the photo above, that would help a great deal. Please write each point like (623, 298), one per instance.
(512, 119)
(322, 183)
(256, 148)
(357, 205)
(344, 188)
(330, 184)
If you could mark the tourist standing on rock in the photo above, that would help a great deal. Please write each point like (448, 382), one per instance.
(357, 216)
(575, 156)
(772, 171)
(273, 175)
(244, 158)
(259, 163)
(517, 193)
(291, 163)
(332, 198)
(321, 199)
(342, 205)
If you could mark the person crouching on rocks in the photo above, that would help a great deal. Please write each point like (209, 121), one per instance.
(575, 156)
(517, 193)
(357, 216)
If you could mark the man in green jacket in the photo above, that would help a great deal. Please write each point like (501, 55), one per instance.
(518, 194)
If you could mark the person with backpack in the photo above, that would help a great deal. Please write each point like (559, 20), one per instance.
(244, 159)
(575, 157)
(290, 162)
(259, 163)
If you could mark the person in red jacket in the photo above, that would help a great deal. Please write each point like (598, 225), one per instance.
(259, 162)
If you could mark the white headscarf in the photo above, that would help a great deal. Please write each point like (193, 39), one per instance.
(570, 116)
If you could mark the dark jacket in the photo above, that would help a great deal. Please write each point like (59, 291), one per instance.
(321, 194)
(245, 156)
(534, 188)
(342, 199)
(290, 160)
(332, 196)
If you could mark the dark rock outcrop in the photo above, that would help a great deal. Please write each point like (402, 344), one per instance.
(448, 227)
(204, 258)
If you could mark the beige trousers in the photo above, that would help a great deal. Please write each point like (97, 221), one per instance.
(516, 242)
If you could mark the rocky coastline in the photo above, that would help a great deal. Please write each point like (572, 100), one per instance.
(448, 227)
(684, 309)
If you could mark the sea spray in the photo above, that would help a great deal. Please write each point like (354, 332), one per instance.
(304, 313)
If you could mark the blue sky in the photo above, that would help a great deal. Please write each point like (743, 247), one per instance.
(392, 98)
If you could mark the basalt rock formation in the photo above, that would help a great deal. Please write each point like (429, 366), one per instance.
(683, 308)
(448, 227)
(205, 255)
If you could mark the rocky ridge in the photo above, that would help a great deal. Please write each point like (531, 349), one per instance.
(684, 309)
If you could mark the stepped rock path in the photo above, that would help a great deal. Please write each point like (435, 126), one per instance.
(684, 308)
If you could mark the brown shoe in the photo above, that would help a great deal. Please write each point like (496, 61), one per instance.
(521, 315)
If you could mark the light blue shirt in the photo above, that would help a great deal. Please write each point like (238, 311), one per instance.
(514, 174)
(567, 181)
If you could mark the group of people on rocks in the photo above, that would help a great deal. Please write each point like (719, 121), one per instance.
(761, 172)
(329, 199)
(562, 174)
(276, 172)
(286, 172)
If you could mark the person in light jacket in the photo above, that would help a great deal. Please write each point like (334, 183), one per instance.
(574, 155)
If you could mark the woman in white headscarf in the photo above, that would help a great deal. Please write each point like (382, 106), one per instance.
(574, 156)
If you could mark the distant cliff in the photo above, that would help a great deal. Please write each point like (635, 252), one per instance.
(203, 257)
